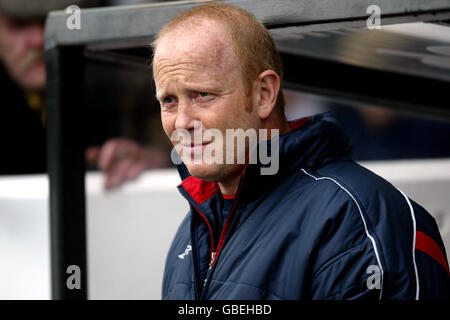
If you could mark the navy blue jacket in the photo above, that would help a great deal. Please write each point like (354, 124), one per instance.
(323, 227)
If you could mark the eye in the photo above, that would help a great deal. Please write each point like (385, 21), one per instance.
(203, 96)
(168, 102)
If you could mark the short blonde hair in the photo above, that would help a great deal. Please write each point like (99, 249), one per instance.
(251, 41)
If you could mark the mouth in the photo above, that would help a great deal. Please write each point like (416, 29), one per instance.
(194, 148)
(33, 58)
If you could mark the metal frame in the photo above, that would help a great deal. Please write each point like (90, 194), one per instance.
(143, 21)
(66, 169)
(127, 26)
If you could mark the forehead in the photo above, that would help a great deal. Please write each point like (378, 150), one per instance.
(206, 46)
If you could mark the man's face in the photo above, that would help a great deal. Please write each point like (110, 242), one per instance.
(198, 78)
(21, 50)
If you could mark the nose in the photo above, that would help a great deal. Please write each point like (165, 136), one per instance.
(35, 34)
(185, 117)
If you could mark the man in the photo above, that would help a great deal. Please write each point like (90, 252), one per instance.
(23, 118)
(321, 227)
(22, 77)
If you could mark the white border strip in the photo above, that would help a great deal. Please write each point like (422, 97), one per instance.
(413, 244)
(364, 222)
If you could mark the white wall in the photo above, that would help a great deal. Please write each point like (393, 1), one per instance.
(130, 229)
(129, 234)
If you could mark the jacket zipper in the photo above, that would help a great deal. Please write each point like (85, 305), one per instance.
(223, 236)
(194, 252)
(194, 259)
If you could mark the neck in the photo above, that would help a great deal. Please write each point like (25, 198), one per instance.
(229, 186)
(284, 128)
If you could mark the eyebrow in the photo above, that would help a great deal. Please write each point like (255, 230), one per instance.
(160, 96)
(199, 88)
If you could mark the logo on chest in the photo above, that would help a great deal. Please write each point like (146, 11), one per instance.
(186, 252)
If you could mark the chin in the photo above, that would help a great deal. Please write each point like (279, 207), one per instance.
(206, 172)
(35, 78)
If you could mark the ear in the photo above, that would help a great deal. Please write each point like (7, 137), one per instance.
(267, 87)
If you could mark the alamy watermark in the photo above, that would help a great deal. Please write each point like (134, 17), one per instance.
(374, 20)
(236, 146)
(374, 280)
(74, 279)
(73, 21)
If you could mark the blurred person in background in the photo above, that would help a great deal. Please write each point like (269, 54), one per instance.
(381, 134)
(23, 80)
(377, 133)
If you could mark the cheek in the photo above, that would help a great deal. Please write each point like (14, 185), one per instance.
(14, 42)
(241, 117)
(168, 124)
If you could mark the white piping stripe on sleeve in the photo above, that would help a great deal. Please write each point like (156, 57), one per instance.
(413, 244)
(363, 220)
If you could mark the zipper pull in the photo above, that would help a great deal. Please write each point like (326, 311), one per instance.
(213, 254)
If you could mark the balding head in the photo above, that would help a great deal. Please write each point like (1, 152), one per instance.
(207, 47)
(249, 39)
